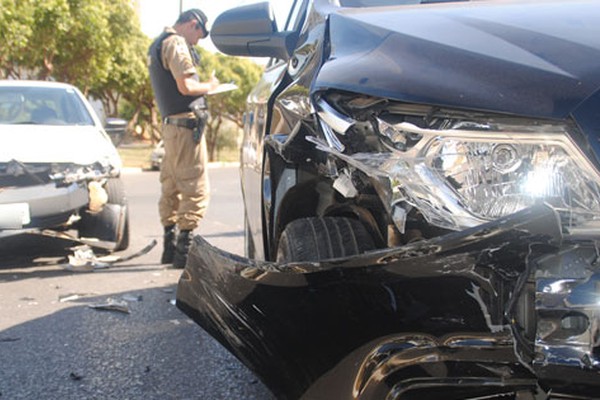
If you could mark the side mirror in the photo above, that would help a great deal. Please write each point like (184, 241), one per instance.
(251, 31)
(115, 128)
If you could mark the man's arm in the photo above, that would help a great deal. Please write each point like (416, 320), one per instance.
(188, 85)
(176, 57)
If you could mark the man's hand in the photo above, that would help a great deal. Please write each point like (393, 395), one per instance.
(213, 82)
(190, 86)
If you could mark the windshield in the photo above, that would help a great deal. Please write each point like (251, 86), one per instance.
(377, 3)
(42, 105)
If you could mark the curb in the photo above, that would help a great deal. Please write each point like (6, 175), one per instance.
(223, 164)
(211, 165)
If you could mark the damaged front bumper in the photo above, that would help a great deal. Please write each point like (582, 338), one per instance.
(50, 199)
(508, 309)
(39, 206)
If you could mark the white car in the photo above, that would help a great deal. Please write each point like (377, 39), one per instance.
(59, 170)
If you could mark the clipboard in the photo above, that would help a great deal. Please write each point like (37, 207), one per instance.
(222, 88)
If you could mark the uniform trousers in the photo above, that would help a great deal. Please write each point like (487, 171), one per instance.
(184, 179)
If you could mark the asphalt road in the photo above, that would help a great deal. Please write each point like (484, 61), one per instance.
(54, 345)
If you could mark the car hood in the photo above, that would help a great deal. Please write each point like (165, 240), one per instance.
(82, 145)
(539, 59)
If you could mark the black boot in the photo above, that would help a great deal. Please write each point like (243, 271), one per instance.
(184, 241)
(168, 245)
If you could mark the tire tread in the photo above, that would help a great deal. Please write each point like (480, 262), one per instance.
(320, 238)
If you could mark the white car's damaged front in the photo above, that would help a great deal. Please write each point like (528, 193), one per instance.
(59, 171)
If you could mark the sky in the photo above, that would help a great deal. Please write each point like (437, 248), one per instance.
(156, 14)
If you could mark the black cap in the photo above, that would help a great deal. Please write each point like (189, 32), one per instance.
(201, 18)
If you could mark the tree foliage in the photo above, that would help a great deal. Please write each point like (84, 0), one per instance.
(98, 46)
(16, 29)
(230, 105)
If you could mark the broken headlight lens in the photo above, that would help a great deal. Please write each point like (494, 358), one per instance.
(466, 172)
(464, 176)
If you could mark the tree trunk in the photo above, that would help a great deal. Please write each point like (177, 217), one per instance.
(155, 125)
(212, 132)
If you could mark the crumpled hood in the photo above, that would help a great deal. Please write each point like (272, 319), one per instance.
(82, 145)
(539, 59)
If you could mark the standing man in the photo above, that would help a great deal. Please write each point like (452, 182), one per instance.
(183, 175)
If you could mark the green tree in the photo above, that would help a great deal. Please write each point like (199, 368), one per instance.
(98, 46)
(52, 24)
(228, 106)
(59, 39)
(16, 23)
(84, 58)
(127, 77)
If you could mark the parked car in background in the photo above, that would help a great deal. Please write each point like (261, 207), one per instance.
(421, 186)
(157, 155)
(59, 170)
(115, 128)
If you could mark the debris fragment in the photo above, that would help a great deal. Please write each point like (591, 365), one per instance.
(112, 305)
(9, 339)
(111, 259)
(73, 296)
(75, 377)
(84, 259)
(132, 298)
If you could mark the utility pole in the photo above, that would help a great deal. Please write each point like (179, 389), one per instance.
(180, 6)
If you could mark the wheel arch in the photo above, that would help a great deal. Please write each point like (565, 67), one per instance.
(297, 193)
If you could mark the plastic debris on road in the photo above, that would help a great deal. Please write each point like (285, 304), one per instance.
(73, 296)
(118, 305)
(132, 297)
(112, 305)
(85, 260)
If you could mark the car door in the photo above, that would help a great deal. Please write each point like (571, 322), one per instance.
(260, 116)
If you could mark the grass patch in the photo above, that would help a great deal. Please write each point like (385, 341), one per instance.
(137, 156)
(228, 154)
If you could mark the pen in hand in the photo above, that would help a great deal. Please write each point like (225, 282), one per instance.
(213, 80)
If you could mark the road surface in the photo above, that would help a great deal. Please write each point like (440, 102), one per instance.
(54, 345)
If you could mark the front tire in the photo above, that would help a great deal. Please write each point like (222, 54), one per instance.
(315, 239)
(112, 223)
(116, 195)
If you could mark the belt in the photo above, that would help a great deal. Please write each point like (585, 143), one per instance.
(190, 123)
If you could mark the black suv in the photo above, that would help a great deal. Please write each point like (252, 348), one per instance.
(422, 202)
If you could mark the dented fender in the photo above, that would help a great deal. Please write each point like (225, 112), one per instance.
(506, 307)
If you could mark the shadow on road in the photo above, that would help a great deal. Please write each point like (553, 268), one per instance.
(33, 250)
(30, 252)
(152, 352)
(11, 276)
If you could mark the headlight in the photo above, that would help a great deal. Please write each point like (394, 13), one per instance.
(479, 175)
(466, 172)
(69, 173)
